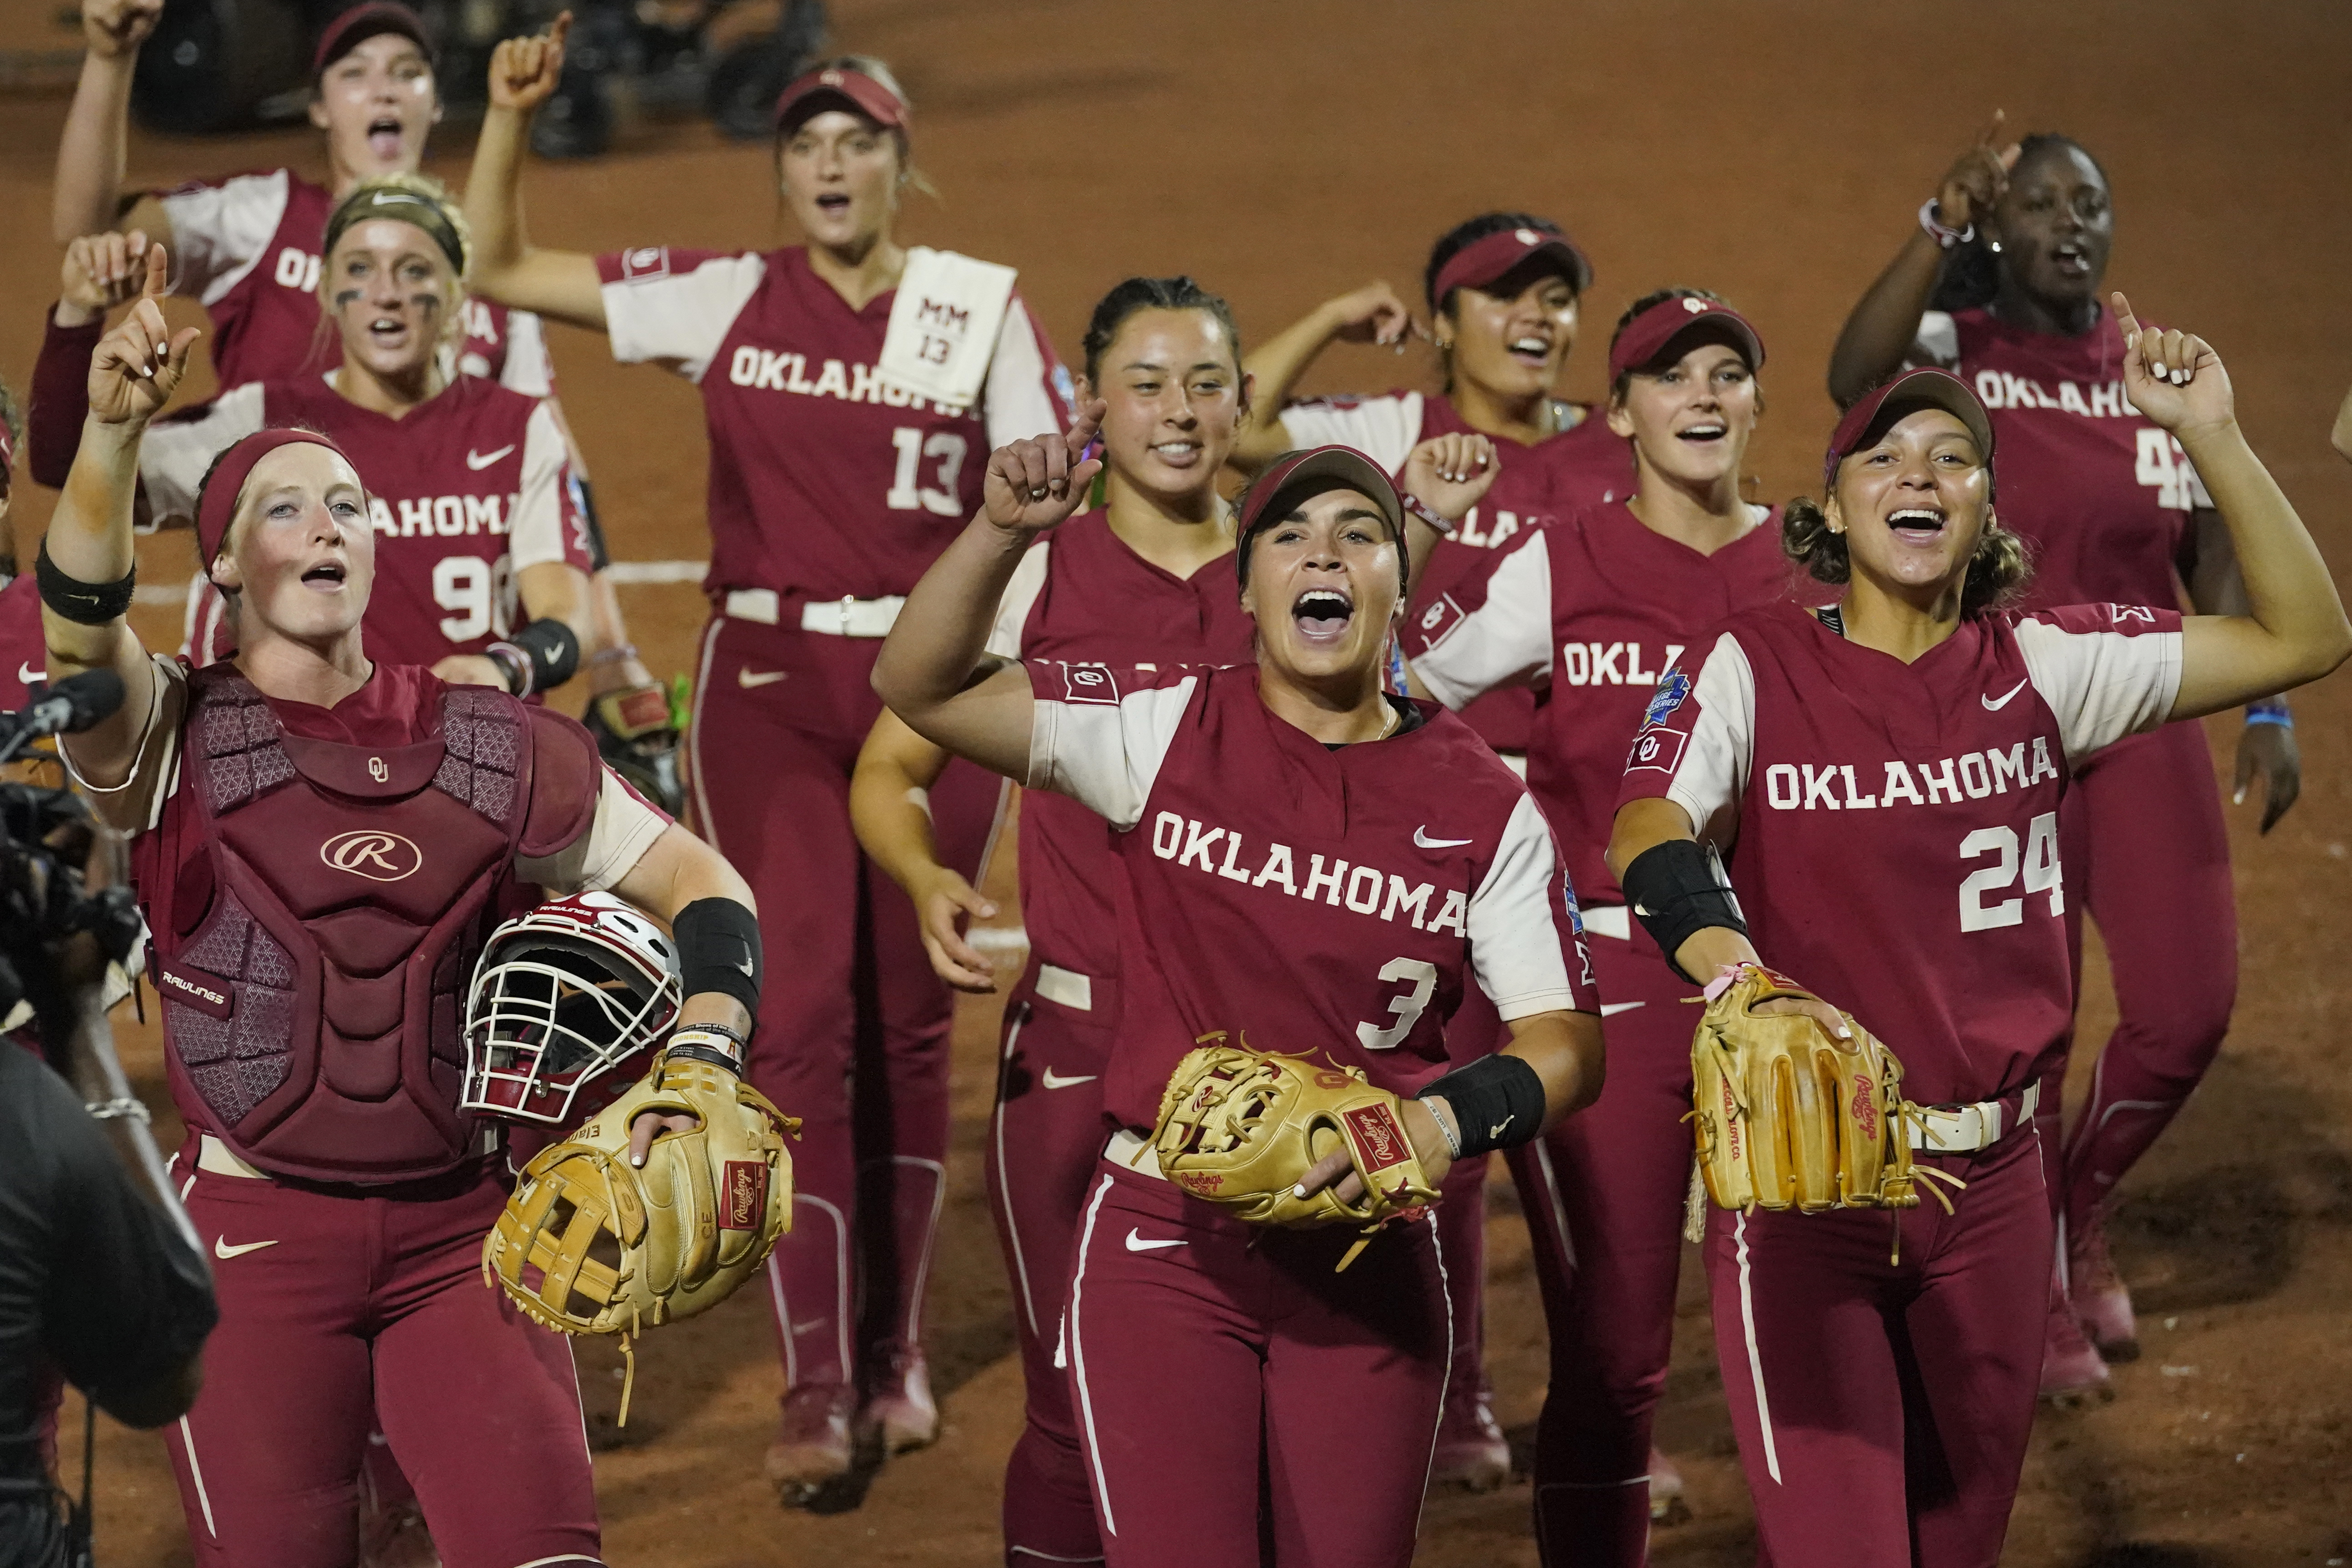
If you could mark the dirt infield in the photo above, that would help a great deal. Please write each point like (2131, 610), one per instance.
(1772, 151)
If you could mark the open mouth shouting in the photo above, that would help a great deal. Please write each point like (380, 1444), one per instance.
(1920, 525)
(1704, 433)
(2071, 258)
(326, 577)
(384, 136)
(388, 332)
(1322, 616)
(834, 203)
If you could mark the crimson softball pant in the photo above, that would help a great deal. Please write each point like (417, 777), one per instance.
(852, 1028)
(344, 1308)
(1240, 1402)
(1604, 1194)
(1883, 1408)
(1045, 1142)
(2148, 857)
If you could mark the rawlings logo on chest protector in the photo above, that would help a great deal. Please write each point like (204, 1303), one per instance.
(336, 947)
(379, 857)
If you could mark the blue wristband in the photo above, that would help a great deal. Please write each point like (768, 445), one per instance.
(2269, 711)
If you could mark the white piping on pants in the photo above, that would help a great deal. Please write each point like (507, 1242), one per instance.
(1445, 1290)
(1005, 1181)
(1755, 1357)
(1559, 1206)
(930, 1241)
(196, 1474)
(1078, 1353)
(694, 740)
(841, 1295)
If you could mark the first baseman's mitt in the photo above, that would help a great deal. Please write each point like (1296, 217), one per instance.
(1240, 1128)
(1791, 1117)
(591, 1245)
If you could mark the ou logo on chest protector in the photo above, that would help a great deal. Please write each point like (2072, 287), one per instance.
(372, 853)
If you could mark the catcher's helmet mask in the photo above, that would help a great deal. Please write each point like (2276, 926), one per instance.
(561, 995)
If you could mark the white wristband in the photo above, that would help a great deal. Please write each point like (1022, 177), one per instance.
(1931, 219)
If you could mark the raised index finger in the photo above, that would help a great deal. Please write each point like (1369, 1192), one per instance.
(158, 280)
(2123, 317)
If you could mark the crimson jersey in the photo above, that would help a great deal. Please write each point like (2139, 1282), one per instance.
(1584, 464)
(1082, 596)
(24, 649)
(1288, 896)
(2100, 492)
(467, 489)
(824, 483)
(1892, 827)
(248, 248)
(1593, 610)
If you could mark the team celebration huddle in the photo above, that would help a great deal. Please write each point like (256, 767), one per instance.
(1402, 779)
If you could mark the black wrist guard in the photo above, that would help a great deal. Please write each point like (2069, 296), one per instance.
(719, 950)
(1677, 889)
(1497, 1103)
(553, 649)
(84, 604)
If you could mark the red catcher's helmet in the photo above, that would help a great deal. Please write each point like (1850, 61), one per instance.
(563, 996)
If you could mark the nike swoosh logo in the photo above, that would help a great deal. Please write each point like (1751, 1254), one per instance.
(1135, 1243)
(1050, 1081)
(1995, 704)
(222, 1250)
(1496, 1130)
(1611, 1009)
(28, 675)
(1420, 837)
(477, 461)
(748, 678)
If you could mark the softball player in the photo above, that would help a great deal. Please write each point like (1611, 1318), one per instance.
(2116, 512)
(1144, 579)
(322, 843)
(1505, 293)
(1593, 609)
(1886, 776)
(1309, 865)
(249, 247)
(482, 553)
(831, 486)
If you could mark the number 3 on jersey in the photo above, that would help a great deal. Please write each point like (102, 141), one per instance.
(907, 493)
(1422, 976)
(2039, 866)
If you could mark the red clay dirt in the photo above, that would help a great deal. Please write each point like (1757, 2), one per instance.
(1775, 154)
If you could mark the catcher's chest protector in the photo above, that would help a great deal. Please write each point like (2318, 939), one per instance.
(312, 954)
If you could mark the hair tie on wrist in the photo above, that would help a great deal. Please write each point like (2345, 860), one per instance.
(1931, 219)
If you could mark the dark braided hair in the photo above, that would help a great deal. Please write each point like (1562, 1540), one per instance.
(1452, 242)
(1971, 275)
(1136, 294)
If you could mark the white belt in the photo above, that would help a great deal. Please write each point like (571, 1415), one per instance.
(1066, 986)
(1613, 921)
(834, 617)
(1135, 1152)
(1969, 1129)
(218, 1157)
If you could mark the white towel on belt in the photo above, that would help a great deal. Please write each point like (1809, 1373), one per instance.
(943, 325)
